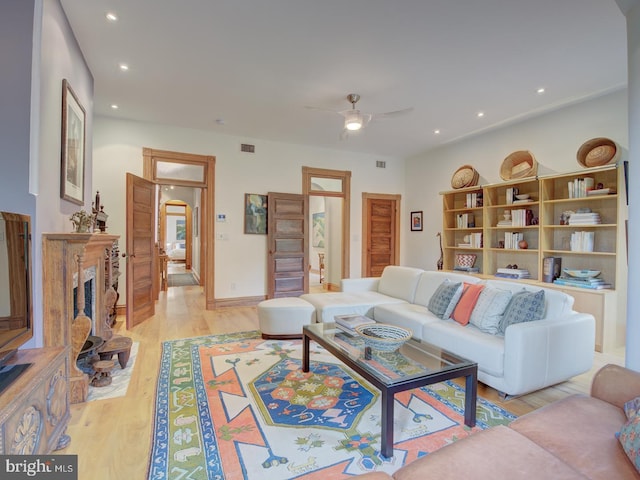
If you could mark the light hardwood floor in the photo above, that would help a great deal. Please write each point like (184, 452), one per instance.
(112, 437)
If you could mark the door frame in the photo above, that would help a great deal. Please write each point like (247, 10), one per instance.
(366, 212)
(151, 157)
(307, 189)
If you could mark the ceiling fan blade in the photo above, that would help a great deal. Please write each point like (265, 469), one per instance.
(322, 109)
(394, 113)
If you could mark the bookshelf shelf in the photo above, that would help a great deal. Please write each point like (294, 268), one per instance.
(547, 237)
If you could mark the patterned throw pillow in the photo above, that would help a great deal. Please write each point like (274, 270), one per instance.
(468, 299)
(629, 438)
(525, 306)
(487, 313)
(632, 408)
(445, 298)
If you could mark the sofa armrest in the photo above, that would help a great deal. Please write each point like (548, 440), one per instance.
(545, 352)
(367, 284)
(615, 384)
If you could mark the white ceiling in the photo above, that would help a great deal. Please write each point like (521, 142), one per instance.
(256, 64)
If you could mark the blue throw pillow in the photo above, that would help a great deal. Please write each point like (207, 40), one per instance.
(445, 298)
(629, 438)
(632, 407)
(525, 306)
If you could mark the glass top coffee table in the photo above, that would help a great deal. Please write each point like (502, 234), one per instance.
(414, 365)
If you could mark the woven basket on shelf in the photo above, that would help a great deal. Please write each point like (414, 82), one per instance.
(465, 176)
(597, 152)
(383, 337)
(519, 164)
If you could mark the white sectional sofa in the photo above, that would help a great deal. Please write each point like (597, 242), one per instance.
(524, 357)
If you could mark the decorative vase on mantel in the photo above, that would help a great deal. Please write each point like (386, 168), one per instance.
(82, 221)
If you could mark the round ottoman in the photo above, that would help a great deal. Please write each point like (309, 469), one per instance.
(281, 318)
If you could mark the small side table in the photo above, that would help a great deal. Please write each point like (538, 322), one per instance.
(117, 345)
(102, 377)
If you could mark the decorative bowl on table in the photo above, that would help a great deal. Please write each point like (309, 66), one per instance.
(383, 337)
(581, 273)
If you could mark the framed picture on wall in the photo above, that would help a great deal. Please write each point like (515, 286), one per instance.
(72, 146)
(255, 213)
(416, 221)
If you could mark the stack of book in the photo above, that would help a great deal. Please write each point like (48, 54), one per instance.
(513, 273)
(592, 283)
(521, 217)
(474, 241)
(590, 218)
(467, 269)
(511, 240)
(580, 187)
(465, 220)
(474, 200)
(582, 241)
(348, 323)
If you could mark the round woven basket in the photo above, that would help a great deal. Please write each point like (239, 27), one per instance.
(465, 176)
(520, 164)
(465, 259)
(383, 337)
(597, 152)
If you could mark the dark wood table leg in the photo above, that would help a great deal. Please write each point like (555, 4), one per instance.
(386, 437)
(305, 352)
(470, 398)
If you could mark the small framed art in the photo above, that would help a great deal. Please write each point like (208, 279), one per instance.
(416, 221)
(72, 147)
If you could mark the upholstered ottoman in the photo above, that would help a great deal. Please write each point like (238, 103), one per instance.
(281, 318)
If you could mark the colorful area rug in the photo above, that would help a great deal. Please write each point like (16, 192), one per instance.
(239, 407)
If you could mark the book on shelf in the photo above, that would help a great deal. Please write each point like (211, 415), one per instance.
(590, 218)
(582, 241)
(465, 220)
(473, 200)
(511, 240)
(594, 284)
(350, 322)
(458, 268)
(514, 276)
(513, 270)
(580, 187)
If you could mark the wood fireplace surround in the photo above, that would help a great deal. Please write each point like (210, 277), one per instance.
(65, 255)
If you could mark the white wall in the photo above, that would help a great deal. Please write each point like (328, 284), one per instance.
(553, 138)
(240, 259)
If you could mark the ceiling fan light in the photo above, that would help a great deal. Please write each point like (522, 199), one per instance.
(353, 120)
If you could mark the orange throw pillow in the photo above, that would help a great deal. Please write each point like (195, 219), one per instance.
(470, 294)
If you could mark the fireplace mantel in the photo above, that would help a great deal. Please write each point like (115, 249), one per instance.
(62, 253)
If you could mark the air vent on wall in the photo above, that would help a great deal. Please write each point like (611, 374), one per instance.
(245, 147)
(381, 164)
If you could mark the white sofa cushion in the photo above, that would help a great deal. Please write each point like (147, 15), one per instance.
(328, 305)
(406, 315)
(399, 282)
(430, 281)
(467, 341)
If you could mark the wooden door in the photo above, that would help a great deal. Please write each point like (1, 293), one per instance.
(381, 233)
(140, 249)
(288, 246)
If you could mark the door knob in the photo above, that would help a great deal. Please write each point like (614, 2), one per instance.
(132, 255)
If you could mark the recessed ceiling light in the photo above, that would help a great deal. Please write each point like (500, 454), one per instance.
(480, 114)
(123, 66)
(114, 106)
(540, 91)
(437, 131)
(112, 17)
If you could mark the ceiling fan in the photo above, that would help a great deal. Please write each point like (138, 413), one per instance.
(355, 119)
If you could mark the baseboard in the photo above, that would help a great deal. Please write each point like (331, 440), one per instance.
(121, 310)
(238, 301)
(332, 287)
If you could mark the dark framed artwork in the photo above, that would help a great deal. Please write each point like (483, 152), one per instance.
(416, 221)
(72, 146)
(255, 213)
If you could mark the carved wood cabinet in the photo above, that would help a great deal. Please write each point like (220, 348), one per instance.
(34, 409)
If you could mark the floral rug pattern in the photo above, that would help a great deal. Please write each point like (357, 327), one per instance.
(239, 407)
